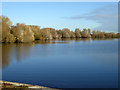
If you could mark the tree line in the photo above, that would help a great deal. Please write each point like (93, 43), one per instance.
(29, 33)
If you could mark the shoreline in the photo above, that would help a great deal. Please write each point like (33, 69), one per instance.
(28, 33)
(10, 85)
(62, 39)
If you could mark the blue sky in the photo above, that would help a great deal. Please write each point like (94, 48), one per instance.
(59, 15)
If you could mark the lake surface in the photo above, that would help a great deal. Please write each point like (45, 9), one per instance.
(82, 63)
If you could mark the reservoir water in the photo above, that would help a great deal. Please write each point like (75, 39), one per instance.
(81, 63)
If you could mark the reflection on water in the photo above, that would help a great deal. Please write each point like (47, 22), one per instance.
(65, 63)
(6, 54)
(22, 50)
(19, 51)
(0, 62)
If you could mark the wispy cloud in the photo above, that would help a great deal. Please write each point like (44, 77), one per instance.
(106, 16)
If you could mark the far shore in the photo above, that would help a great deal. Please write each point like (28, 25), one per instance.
(20, 33)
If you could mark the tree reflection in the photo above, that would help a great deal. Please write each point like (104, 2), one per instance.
(18, 51)
(82, 39)
(11, 50)
(103, 38)
(7, 53)
(21, 51)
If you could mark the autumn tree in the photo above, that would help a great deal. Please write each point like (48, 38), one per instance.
(77, 33)
(93, 34)
(6, 30)
(45, 34)
(23, 33)
(89, 31)
(66, 33)
(60, 34)
(99, 34)
(118, 35)
(53, 33)
(28, 34)
(84, 33)
(113, 34)
(72, 34)
(36, 31)
(110, 35)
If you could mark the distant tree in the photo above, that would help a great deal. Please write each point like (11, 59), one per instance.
(29, 33)
(99, 34)
(45, 34)
(18, 32)
(89, 33)
(36, 31)
(72, 34)
(113, 35)
(60, 34)
(6, 30)
(93, 34)
(110, 35)
(118, 35)
(77, 33)
(66, 33)
(53, 33)
(84, 33)
(23, 33)
(0, 29)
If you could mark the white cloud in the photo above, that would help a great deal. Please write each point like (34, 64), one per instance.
(106, 16)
